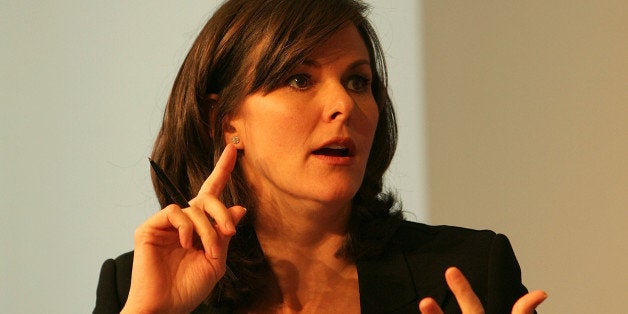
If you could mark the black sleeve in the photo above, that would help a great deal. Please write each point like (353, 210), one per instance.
(504, 277)
(113, 284)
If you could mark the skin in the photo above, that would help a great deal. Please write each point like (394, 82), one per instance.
(170, 273)
(304, 197)
(326, 99)
(469, 302)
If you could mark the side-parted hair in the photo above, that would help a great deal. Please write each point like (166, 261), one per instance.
(249, 46)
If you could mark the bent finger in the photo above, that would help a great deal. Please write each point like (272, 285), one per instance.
(237, 213)
(171, 217)
(210, 239)
(218, 213)
(527, 303)
(429, 306)
(215, 183)
(467, 299)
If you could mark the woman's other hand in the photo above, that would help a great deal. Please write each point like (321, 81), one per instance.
(180, 254)
(469, 302)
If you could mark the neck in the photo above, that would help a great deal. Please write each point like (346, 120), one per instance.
(303, 228)
(301, 248)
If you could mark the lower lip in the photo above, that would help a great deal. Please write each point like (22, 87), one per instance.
(336, 160)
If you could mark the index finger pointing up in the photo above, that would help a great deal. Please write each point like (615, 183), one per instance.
(217, 180)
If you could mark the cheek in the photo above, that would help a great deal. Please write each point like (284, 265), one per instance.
(277, 133)
(371, 118)
(374, 118)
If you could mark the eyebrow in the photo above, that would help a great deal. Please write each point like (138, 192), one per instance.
(353, 65)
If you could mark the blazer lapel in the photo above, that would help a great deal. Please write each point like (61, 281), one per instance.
(391, 285)
(429, 278)
(386, 285)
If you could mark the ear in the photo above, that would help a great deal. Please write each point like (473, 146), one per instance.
(233, 130)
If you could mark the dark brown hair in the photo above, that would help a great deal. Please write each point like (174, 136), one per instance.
(245, 47)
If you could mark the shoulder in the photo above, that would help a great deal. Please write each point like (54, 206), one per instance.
(413, 236)
(114, 283)
(486, 258)
(415, 259)
(124, 260)
(452, 246)
(123, 265)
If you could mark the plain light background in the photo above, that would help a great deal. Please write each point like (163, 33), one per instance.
(527, 132)
(513, 117)
(83, 85)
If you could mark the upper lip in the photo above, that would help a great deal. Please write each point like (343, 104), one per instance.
(339, 143)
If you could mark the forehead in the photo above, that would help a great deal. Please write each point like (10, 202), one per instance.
(345, 43)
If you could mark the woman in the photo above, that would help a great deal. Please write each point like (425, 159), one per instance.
(281, 107)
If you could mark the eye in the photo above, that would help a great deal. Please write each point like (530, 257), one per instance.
(299, 81)
(358, 83)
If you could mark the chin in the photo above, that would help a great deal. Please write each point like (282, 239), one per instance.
(333, 190)
(337, 196)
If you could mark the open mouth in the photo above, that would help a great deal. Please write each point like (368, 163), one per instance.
(338, 148)
(333, 151)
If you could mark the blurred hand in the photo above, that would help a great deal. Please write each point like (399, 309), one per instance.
(469, 302)
(172, 272)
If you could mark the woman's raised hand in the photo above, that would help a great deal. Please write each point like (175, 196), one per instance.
(172, 272)
(469, 302)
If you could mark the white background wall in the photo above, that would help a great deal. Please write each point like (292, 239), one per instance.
(82, 89)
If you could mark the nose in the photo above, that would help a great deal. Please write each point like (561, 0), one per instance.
(339, 103)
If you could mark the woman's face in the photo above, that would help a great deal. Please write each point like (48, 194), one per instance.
(307, 142)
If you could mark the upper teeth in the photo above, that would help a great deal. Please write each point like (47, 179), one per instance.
(335, 147)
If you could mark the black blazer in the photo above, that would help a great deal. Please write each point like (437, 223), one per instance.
(412, 268)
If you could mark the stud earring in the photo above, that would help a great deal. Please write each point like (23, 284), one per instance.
(235, 140)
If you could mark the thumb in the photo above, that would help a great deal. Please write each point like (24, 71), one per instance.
(237, 213)
(527, 303)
